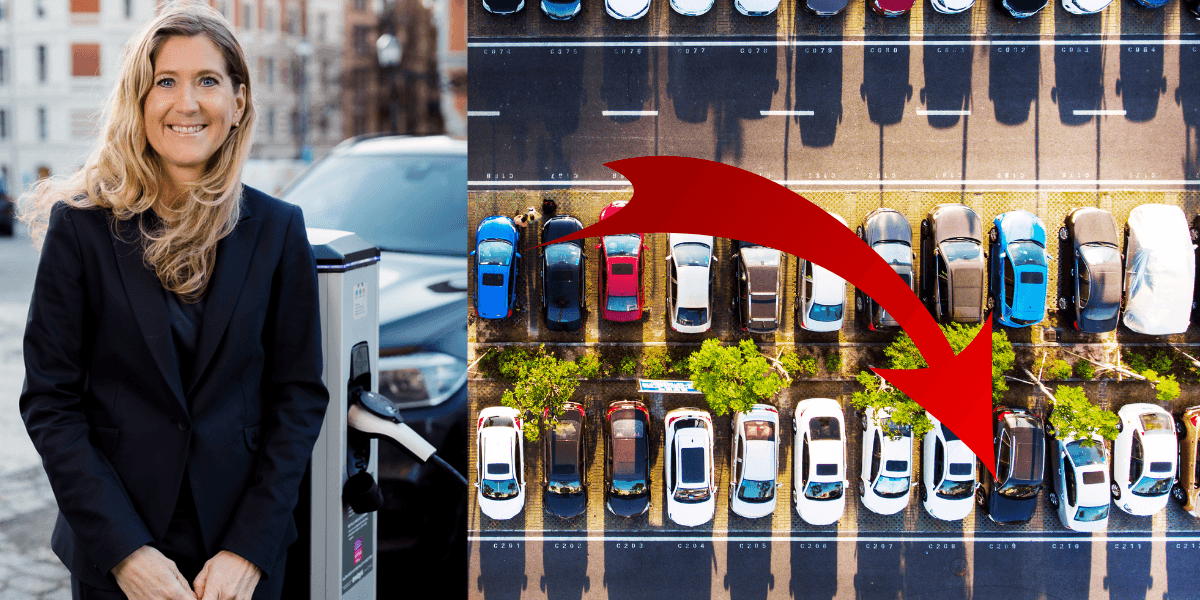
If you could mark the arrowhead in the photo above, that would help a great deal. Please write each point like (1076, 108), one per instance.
(958, 392)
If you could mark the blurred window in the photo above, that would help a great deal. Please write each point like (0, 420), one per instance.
(85, 60)
(41, 54)
(85, 6)
(3, 66)
(43, 126)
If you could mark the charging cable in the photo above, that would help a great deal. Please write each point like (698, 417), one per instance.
(378, 417)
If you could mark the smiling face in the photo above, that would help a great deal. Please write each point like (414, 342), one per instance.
(191, 107)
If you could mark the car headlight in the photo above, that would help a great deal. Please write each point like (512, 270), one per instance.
(421, 379)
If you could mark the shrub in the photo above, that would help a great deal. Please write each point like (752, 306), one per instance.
(833, 363)
(509, 361)
(1059, 369)
(1161, 362)
(588, 365)
(628, 366)
(1134, 362)
(656, 362)
(1084, 369)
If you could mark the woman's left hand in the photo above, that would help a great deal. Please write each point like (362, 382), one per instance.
(227, 576)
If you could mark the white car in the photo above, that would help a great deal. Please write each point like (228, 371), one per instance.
(754, 464)
(1079, 482)
(819, 473)
(691, 8)
(947, 474)
(1144, 458)
(951, 7)
(688, 467)
(1085, 7)
(820, 295)
(1160, 270)
(501, 447)
(756, 8)
(885, 482)
(690, 280)
(627, 9)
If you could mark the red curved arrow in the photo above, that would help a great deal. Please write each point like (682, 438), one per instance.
(691, 195)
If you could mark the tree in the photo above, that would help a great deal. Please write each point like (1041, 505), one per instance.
(733, 377)
(543, 384)
(1074, 416)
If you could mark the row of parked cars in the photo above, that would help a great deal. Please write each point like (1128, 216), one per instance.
(636, 9)
(964, 272)
(1153, 459)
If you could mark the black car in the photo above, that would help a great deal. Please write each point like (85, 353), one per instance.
(503, 7)
(564, 463)
(1020, 9)
(1020, 442)
(393, 192)
(757, 275)
(888, 233)
(1093, 276)
(627, 458)
(562, 275)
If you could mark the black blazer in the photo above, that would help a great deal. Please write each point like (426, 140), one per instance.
(106, 408)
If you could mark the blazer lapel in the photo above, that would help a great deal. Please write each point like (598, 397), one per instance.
(234, 253)
(149, 302)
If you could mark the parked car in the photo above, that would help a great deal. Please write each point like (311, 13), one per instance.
(690, 280)
(947, 474)
(621, 265)
(1094, 275)
(1152, 3)
(627, 458)
(691, 8)
(756, 8)
(1021, 9)
(496, 260)
(952, 264)
(377, 186)
(1193, 8)
(890, 8)
(1186, 490)
(1020, 441)
(1145, 455)
(627, 9)
(757, 275)
(820, 295)
(503, 7)
(1019, 268)
(754, 461)
(819, 473)
(885, 482)
(1085, 7)
(951, 7)
(561, 10)
(564, 463)
(1160, 270)
(563, 280)
(501, 476)
(825, 8)
(888, 233)
(1078, 481)
(688, 471)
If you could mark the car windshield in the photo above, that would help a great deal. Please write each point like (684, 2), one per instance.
(962, 251)
(495, 252)
(1091, 513)
(499, 489)
(621, 303)
(626, 244)
(825, 313)
(691, 495)
(1083, 456)
(565, 488)
(562, 254)
(1152, 486)
(823, 490)
(1018, 491)
(895, 253)
(756, 491)
(691, 254)
(825, 428)
(1156, 422)
(956, 490)
(692, 317)
(393, 202)
(1026, 252)
(891, 487)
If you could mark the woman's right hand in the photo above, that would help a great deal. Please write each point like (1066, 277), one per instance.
(149, 575)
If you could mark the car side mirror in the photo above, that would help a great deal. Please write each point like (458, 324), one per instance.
(668, 259)
(518, 254)
(597, 246)
(472, 253)
(715, 258)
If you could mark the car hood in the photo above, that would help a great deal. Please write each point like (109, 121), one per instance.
(566, 507)
(421, 297)
(1094, 225)
(628, 507)
(496, 228)
(827, 7)
(949, 510)
(956, 221)
(1023, 225)
(1007, 510)
(888, 226)
(820, 512)
(502, 509)
(692, 515)
(759, 6)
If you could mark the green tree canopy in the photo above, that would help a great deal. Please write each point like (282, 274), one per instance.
(1077, 417)
(542, 382)
(733, 377)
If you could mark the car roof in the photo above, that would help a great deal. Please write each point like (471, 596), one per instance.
(1022, 225)
(826, 452)
(683, 238)
(497, 444)
(402, 144)
(693, 287)
(760, 460)
(1091, 224)
(828, 287)
(561, 226)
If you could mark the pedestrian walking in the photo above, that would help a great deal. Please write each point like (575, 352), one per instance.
(173, 347)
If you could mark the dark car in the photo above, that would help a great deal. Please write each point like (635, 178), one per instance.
(563, 285)
(393, 191)
(503, 7)
(561, 10)
(1093, 276)
(564, 463)
(1020, 9)
(757, 275)
(627, 458)
(1193, 7)
(952, 264)
(888, 233)
(825, 8)
(7, 215)
(1020, 440)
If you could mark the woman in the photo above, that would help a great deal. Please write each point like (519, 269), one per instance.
(173, 352)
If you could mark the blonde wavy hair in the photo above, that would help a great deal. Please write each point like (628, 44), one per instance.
(124, 174)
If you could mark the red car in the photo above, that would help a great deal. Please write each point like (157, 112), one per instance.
(890, 8)
(622, 297)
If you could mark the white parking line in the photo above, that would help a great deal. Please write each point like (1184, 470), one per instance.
(1117, 113)
(836, 538)
(786, 113)
(629, 113)
(483, 113)
(871, 182)
(946, 113)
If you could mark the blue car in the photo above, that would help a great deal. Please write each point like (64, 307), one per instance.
(495, 267)
(1018, 269)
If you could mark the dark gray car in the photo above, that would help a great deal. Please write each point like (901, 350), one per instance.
(562, 275)
(564, 463)
(888, 233)
(952, 264)
(757, 277)
(1093, 274)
